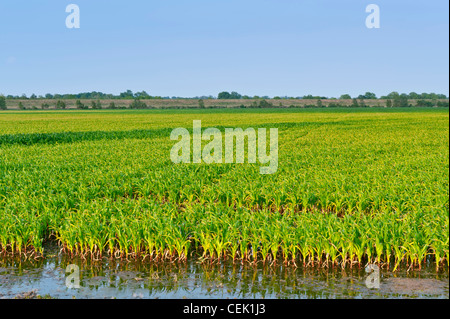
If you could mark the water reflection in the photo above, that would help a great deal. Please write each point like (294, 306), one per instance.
(129, 279)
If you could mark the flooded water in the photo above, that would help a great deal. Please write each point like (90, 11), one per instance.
(192, 280)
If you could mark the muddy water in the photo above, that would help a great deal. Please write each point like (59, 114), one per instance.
(124, 280)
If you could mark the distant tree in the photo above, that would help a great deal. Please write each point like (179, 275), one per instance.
(201, 104)
(362, 103)
(370, 96)
(21, 107)
(442, 104)
(355, 103)
(424, 103)
(401, 101)
(138, 104)
(224, 96)
(345, 97)
(388, 103)
(235, 96)
(80, 105)
(2, 102)
(44, 106)
(433, 96)
(393, 95)
(112, 106)
(414, 96)
(96, 105)
(126, 95)
(60, 104)
(311, 97)
(48, 96)
(33, 96)
(319, 103)
(264, 103)
(142, 95)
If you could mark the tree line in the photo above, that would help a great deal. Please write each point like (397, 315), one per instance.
(367, 96)
(127, 95)
(143, 95)
(393, 99)
(255, 103)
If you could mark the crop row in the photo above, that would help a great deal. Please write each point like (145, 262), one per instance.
(145, 229)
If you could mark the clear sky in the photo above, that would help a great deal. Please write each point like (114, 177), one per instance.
(203, 47)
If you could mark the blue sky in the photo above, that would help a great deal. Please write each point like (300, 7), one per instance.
(202, 47)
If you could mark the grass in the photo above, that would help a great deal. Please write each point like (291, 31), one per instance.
(353, 186)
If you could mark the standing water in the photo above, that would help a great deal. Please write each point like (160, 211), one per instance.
(107, 278)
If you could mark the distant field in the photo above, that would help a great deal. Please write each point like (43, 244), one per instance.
(193, 103)
(352, 186)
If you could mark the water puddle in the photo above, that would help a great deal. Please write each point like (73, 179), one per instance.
(192, 280)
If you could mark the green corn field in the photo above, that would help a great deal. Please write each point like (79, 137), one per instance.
(352, 187)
